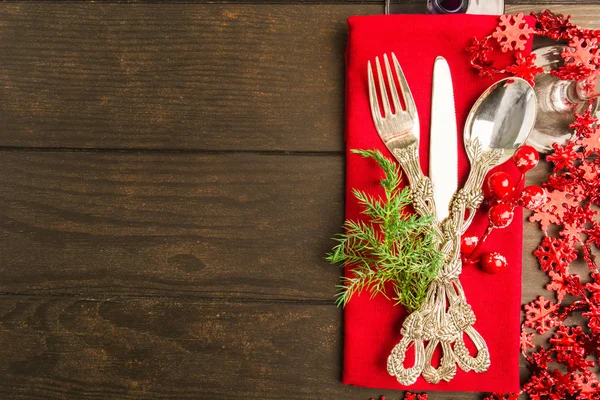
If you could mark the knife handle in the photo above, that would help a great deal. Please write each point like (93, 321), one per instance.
(420, 185)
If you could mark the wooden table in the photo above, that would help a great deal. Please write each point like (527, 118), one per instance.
(171, 174)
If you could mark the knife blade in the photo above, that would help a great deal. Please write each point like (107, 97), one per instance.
(443, 141)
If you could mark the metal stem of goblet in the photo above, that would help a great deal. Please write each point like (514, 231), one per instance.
(558, 101)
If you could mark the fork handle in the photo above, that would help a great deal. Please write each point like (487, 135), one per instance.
(420, 185)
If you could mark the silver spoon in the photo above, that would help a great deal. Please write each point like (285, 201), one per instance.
(499, 122)
(502, 117)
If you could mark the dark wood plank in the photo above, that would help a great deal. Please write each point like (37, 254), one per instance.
(223, 225)
(162, 349)
(584, 13)
(184, 76)
(234, 225)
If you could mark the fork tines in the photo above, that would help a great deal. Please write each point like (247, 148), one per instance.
(391, 124)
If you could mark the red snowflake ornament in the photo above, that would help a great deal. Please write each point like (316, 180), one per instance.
(591, 143)
(525, 68)
(589, 387)
(593, 315)
(526, 341)
(594, 287)
(559, 202)
(589, 170)
(571, 231)
(564, 284)
(540, 359)
(541, 387)
(571, 71)
(584, 124)
(592, 345)
(541, 315)
(545, 217)
(563, 156)
(582, 52)
(512, 32)
(555, 254)
(569, 345)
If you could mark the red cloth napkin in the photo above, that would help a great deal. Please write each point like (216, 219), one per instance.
(372, 325)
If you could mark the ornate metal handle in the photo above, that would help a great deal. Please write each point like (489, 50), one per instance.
(420, 185)
(445, 317)
(471, 194)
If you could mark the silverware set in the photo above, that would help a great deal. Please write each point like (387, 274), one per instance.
(497, 125)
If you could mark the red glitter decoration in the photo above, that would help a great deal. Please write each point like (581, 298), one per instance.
(594, 287)
(593, 314)
(563, 156)
(413, 396)
(525, 68)
(584, 125)
(582, 56)
(566, 367)
(566, 370)
(554, 26)
(568, 344)
(480, 51)
(498, 396)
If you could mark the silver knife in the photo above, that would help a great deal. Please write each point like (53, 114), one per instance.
(443, 141)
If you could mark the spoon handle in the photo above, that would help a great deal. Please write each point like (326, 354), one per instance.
(469, 198)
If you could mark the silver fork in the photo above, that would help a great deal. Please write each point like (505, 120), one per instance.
(400, 131)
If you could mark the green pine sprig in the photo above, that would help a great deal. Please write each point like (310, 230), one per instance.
(393, 247)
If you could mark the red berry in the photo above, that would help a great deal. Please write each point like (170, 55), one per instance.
(533, 197)
(493, 263)
(525, 158)
(468, 244)
(500, 215)
(501, 184)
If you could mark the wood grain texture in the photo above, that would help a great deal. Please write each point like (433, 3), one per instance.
(181, 76)
(221, 225)
(224, 225)
(72, 349)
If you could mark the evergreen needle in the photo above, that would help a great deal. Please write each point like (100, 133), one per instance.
(394, 250)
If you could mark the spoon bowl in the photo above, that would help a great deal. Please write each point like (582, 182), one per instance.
(502, 117)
